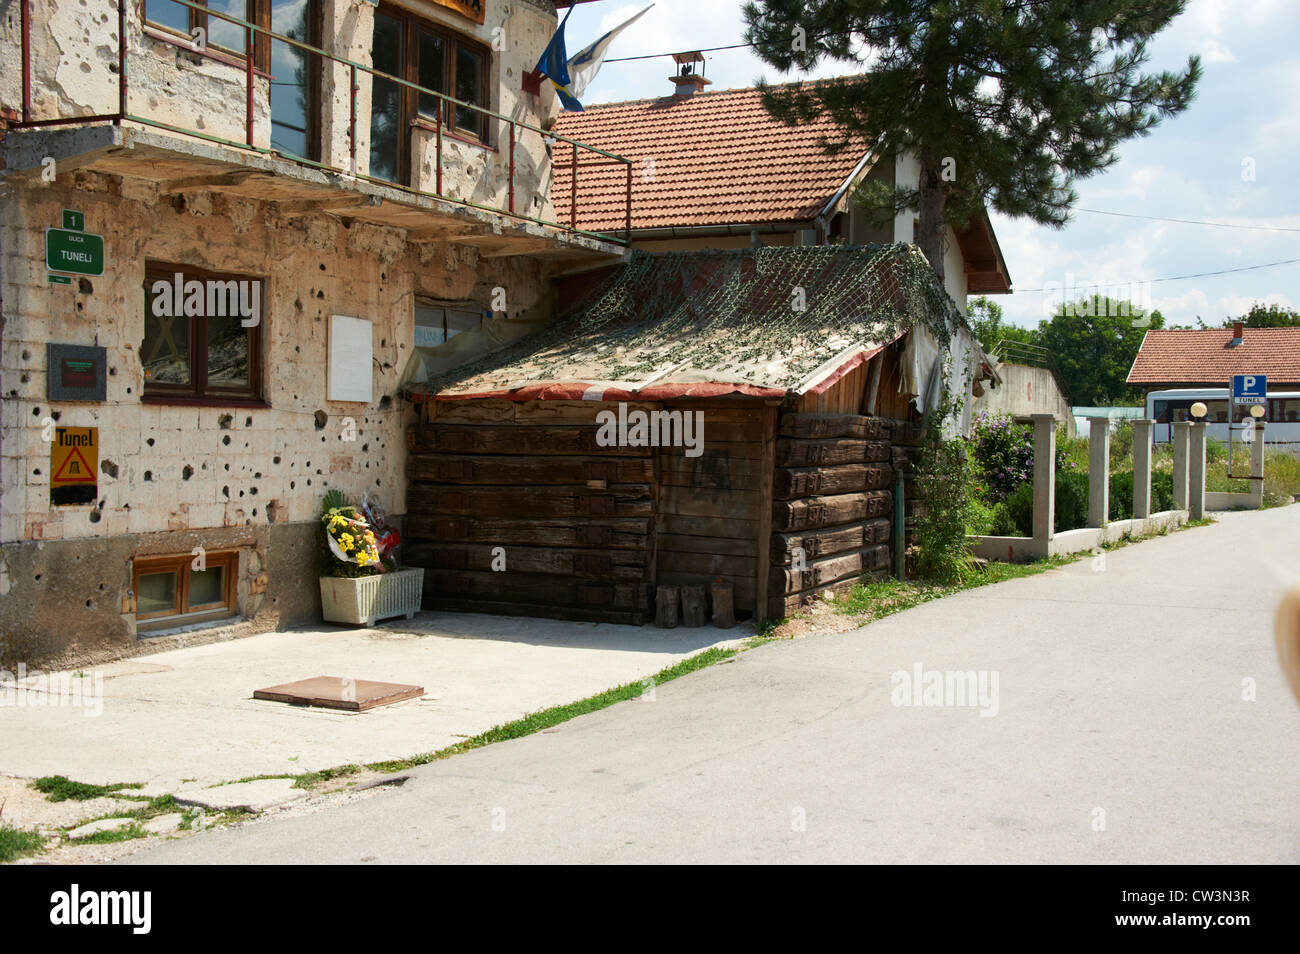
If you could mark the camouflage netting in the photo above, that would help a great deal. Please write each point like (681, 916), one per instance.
(689, 319)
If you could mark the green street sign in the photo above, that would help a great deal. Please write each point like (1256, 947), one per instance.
(72, 219)
(60, 280)
(81, 253)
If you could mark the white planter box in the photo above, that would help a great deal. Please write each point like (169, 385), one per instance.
(363, 600)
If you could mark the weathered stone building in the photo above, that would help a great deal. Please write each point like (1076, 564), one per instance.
(330, 186)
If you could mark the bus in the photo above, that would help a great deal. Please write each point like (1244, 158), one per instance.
(1281, 415)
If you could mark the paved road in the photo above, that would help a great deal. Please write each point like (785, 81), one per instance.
(1120, 703)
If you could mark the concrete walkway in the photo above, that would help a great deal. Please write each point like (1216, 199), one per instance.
(1121, 735)
(186, 719)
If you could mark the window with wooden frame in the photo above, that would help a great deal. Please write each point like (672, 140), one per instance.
(197, 348)
(293, 73)
(222, 34)
(173, 591)
(418, 51)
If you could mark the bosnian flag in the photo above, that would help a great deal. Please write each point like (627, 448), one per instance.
(554, 65)
(585, 65)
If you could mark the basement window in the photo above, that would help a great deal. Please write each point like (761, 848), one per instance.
(176, 590)
(196, 348)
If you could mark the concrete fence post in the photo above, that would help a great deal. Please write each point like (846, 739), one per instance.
(1181, 430)
(1142, 469)
(1044, 482)
(1257, 466)
(1098, 471)
(1196, 472)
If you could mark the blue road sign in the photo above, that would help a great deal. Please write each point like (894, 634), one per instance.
(1249, 387)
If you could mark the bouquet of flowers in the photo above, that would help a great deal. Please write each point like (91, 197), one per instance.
(351, 548)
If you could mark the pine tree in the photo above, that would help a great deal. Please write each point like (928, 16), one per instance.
(1004, 102)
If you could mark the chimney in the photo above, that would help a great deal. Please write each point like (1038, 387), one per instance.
(690, 74)
(1238, 333)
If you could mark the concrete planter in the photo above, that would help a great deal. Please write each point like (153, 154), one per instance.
(363, 600)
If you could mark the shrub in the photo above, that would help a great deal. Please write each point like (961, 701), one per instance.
(944, 477)
(1004, 451)
(979, 517)
(1001, 523)
(1162, 491)
(1121, 495)
(1121, 445)
(1019, 507)
(1071, 500)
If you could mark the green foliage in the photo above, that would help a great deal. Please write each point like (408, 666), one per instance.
(1121, 445)
(1093, 343)
(1274, 316)
(1004, 452)
(112, 836)
(16, 842)
(1069, 89)
(57, 788)
(1071, 500)
(944, 474)
(334, 500)
(1020, 508)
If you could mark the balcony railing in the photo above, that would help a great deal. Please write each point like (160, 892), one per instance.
(252, 33)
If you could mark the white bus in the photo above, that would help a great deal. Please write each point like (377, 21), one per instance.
(1281, 415)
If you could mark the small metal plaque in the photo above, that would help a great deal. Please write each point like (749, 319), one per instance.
(75, 373)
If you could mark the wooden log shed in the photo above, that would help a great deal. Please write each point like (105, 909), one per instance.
(517, 505)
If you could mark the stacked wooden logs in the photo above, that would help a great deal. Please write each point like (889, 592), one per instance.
(515, 508)
(832, 508)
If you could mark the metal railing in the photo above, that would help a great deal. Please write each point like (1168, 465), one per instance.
(252, 33)
(1038, 356)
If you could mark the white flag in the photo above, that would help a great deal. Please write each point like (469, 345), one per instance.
(586, 64)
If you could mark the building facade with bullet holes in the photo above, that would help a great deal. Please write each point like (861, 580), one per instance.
(228, 249)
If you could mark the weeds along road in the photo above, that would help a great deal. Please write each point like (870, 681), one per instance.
(1122, 730)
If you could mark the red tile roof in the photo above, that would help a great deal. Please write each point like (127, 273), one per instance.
(719, 157)
(1205, 357)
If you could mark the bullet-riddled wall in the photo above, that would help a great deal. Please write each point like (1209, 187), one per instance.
(174, 477)
(74, 72)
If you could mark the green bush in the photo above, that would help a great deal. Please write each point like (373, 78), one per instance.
(1004, 451)
(1215, 450)
(1162, 491)
(1001, 523)
(1121, 495)
(979, 517)
(1019, 507)
(1121, 445)
(1071, 500)
(945, 477)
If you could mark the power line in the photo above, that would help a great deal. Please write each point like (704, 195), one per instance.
(1160, 218)
(655, 56)
(1177, 278)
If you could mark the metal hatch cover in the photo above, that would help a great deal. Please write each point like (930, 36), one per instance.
(338, 692)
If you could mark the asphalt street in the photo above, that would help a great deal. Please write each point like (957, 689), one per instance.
(1132, 711)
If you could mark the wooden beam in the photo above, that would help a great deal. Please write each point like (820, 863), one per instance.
(764, 538)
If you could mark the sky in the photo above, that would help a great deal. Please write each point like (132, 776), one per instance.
(1231, 157)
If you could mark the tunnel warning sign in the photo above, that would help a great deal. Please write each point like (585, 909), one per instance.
(74, 466)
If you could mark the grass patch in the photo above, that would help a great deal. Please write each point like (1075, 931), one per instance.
(57, 788)
(16, 842)
(126, 833)
(312, 779)
(877, 600)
